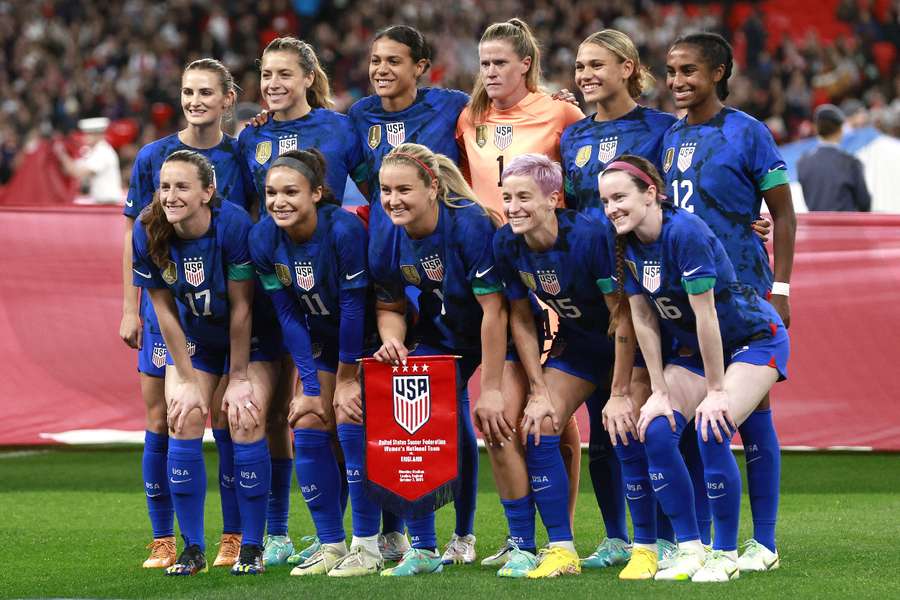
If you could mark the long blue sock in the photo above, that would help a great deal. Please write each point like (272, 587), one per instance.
(638, 491)
(345, 489)
(320, 482)
(520, 518)
(187, 482)
(763, 455)
(669, 476)
(606, 471)
(391, 523)
(664, 529)
(723, 488)
(422, 533)
(231, 512)
(156, 485)
(550, 486)
(365, 513)
(694, 463)
(253, 468)
(464, 503)
(279, 505)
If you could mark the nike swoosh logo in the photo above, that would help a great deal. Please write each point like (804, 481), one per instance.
(354, 481)
(180, 480)
(154, 495)
(753, 459)
(355, 275)
(534, 489)
(691, 272)
(485, 272)
(714, 497)
(249, 487)
(308, 500)
(627, 497)
(661, 487)
(142, 274)
(129, 202)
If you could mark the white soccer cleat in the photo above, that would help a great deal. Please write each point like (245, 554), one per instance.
(358, 562)
(682, 566)
(459, 550)
(322, 561)
(499, 558)
(757, 557)
(717, 567)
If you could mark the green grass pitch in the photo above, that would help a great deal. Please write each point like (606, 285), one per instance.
(73, 524)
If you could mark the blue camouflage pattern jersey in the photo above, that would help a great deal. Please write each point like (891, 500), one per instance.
(230, 185)
(687, 258)
(719, 170)
(450, 267)
(565, 277)
(317, 270)
(430, 120)
(326, 130)
(587, 146)
(198, 271)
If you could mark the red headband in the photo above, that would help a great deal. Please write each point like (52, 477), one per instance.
(621, 165)
(417, 161)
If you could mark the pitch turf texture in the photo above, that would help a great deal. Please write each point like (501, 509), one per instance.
(73, 524)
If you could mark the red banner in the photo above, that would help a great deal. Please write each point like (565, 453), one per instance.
(412, 433)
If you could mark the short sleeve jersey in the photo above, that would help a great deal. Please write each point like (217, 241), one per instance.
(533, 125)
(326, 130)
(719, 170)
(450, 267)
(198, 271)
(316, 271)
(686, 259)
(588, 146)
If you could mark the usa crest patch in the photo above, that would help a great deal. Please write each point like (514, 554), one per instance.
(686, 156)
(434, 268)
(651, 278)
(549, 282)
(503, 136)
(286, 144)
(412, 401)
(607, 149)
(396, 133)
(159, 355)
(263, 152)
(193, 271)
(306, 279)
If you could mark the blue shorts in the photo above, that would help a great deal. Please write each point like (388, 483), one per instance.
(687, 359)
(153, 355)
(589, 358)
(772, 351)
(214, 359)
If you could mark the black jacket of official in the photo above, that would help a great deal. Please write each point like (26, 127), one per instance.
(832, 179)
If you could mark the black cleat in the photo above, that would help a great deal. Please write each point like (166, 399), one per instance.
(250, 562)
(191, 562)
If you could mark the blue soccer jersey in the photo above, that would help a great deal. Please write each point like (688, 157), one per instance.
(326, 130)
(450, 267)
(564, 277)
(198, 271)
(587, 146)
(719, 170)
(316, 271)
(686, 259)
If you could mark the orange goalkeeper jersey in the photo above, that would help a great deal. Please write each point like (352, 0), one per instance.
(533, 125)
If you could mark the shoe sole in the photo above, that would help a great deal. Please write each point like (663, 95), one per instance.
(771, 567)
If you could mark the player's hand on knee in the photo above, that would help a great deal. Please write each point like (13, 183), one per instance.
(240, 404)
(539, 407)
(712, 414)
(490, 418)
(618, 418)
(392, 351)
(302, 405)
(185, 398)
(657, 405)
(348, 401)
(130, 330)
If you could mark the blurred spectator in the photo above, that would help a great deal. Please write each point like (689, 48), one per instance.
(98, 167)
(832, 179)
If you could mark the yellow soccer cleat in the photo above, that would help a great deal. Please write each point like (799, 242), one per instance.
(555, 561)
(229, 550)
(643, 564)
(162, 553)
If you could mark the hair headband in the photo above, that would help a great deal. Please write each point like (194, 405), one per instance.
(621, 165)
(297, 165)
(417, 161)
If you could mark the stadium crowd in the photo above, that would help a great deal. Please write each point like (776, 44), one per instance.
(62, 61)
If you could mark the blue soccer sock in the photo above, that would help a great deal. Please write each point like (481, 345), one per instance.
(520, 518)
(345, 488)
(464, 502)
(279, 505)
(422, 534)
(365, 513)
(669, 476)
(763, 455)
(691, 453)
(320, 482)
(606, 471)
(156, 485)
(187, 482)
(664, 529)
(253, 470)
(391, 523)
(231, 513)
(638, 491)
(723, 488)
(550, 486)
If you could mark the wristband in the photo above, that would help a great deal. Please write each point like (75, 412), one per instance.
(781, 289)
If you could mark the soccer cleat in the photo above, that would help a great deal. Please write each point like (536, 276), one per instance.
(393, 545)
(501, 556)
(229, 550)
(682, 566)
(356, 563)
(302, 556)
(162, 553)
(643, 565)
(555, 561)
(250, 561)
(191, 562)
(322, 561)
(416, 562)
(757, 557)
(277, 549)
(665, 550)
(718, 566)
(459, 550)
(610, 552)
(519, 564)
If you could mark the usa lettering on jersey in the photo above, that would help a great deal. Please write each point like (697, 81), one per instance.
(607, 149)
(651, 278)
(286, 144)
(686, 156)
(193, 271)
(549, 282)
(412, 401)
(306, 278)
(396, 133)
(159, 355)
(434, 268)
(503, 136)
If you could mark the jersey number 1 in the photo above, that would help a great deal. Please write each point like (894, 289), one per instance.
(500, 169)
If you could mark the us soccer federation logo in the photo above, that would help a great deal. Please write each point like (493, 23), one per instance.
(434, 268)
(396, 133)
(549, 282)
(651, 278)
(286, 144)
(191, 348)
(193, 271)
(263, 152)
(503, 136)
(158, 358)
(412, 401)
(170, 273)
(306, 278)
(583, 156)
(607, 149)
(686, 156)
(374, 136)
(670, 156)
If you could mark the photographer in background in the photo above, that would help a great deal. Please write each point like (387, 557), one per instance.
(98, 168)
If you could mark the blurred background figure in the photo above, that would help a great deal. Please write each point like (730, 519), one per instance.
(98, 167)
